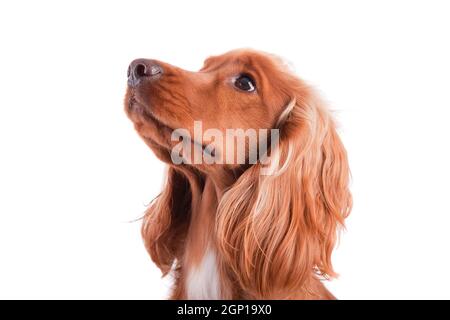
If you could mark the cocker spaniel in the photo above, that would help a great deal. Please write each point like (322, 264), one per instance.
(240, 230)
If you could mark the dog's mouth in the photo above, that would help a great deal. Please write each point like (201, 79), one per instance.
(136, 108)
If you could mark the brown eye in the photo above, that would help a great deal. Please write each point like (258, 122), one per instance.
(245, 82)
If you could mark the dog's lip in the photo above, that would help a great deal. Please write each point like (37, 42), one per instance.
(136, 106)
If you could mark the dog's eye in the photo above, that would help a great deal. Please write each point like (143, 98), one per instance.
(245, 82)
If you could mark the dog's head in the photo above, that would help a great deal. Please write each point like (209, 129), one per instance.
(239, 90)
(275, 229)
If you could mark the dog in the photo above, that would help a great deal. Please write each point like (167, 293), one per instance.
(241, 230)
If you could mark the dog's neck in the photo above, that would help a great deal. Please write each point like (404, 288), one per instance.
(201, 228)
(203, 278)
(207, 190)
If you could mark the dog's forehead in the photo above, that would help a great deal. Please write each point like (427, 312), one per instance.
(241, 57)
(263, 61)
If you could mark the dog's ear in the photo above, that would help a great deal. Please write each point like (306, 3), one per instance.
(166, 221)
(276, 230)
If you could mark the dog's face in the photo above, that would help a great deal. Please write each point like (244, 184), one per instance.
(238, 90)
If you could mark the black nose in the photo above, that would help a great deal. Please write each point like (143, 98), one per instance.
(141, 69)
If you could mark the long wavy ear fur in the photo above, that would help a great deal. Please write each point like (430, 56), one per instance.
(166, 221)
(276, 232)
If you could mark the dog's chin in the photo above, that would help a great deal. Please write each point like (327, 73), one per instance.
(154, 131)
(140, 112)
(156, 140)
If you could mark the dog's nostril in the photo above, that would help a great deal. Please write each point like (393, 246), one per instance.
(140, 71)
(129, 71)
(143, 68)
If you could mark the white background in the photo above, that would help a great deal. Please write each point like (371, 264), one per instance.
(74, 175)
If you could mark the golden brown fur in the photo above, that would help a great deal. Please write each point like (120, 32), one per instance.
(273, 234)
